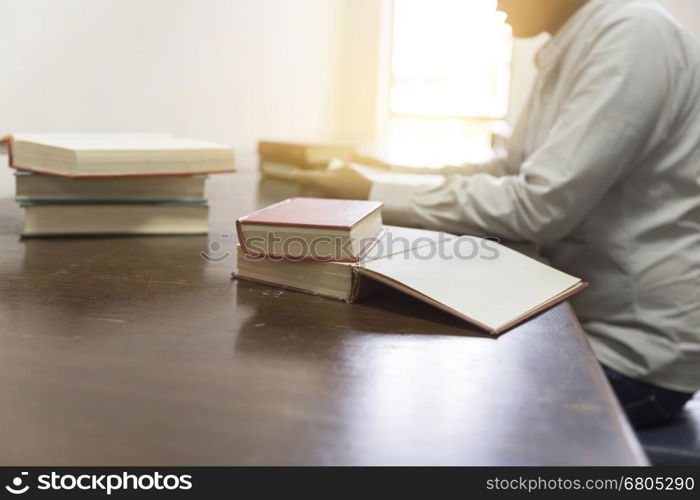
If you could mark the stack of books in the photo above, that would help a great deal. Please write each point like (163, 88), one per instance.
(282, 160)
(331, 247)
(114, 184)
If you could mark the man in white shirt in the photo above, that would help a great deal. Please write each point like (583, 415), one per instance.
(603, 173)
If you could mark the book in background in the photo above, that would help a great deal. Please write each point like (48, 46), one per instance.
(114, 184)
(282, 160)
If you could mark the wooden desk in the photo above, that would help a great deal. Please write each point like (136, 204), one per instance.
(120, 351)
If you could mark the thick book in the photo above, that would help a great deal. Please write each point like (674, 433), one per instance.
(303, 155)
(116, 155)
(477, 280)
(278, 170)
(39, 188)
(312, 229)
(60, 219)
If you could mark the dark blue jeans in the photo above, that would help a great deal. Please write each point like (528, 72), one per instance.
(646, 405)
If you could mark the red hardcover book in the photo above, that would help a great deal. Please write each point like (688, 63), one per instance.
(116, 155)
(312, 229)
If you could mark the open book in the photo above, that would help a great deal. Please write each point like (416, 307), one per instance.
(478, 280)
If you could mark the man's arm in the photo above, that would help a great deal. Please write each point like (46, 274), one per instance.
(350, 182)
(498, 166)
(609, 118)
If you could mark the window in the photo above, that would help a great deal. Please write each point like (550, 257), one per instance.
(449, 83)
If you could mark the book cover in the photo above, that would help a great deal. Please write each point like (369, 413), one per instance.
(313, 213)
(304, 215)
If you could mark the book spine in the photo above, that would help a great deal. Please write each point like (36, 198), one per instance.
(241, 237)
(7, 141)
(355, 286)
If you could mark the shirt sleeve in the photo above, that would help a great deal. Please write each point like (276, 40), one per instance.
(603, 123)
(397, 197)
(497, 167)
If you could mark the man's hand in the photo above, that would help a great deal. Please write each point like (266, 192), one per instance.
(344, 182)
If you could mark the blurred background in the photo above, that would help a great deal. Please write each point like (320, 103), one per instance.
(415, 81)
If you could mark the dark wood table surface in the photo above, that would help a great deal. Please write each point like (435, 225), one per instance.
(138, 351)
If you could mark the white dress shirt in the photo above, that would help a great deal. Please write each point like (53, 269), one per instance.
(603, 173)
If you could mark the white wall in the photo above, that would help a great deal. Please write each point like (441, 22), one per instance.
(363, 35)
(687, 12)
(225, 70)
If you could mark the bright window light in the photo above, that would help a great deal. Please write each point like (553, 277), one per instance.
(450, 79)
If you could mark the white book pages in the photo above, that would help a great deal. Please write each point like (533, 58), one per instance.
(400, 240)
(476, 279)
(97, 155)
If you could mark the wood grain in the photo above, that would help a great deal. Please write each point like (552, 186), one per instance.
(137, 351)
